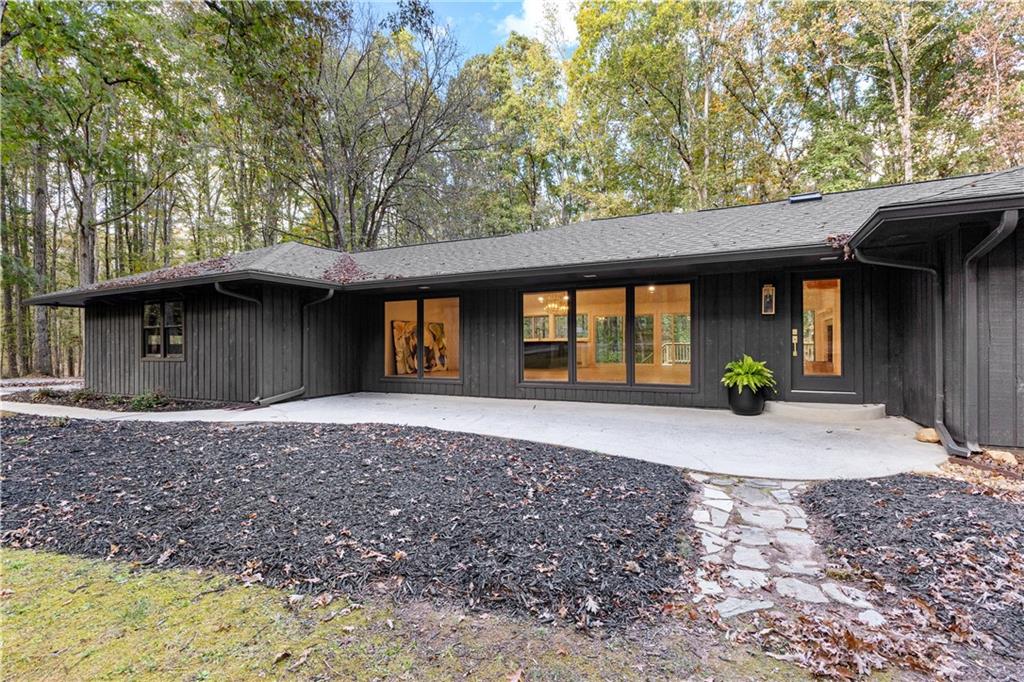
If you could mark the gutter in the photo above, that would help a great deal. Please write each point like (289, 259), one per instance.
(80, 298)
(303, 354)
(817, 250)
(934, 209)
(939, 408)
(1007, 225)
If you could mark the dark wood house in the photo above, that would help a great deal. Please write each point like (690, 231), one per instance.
(908, 295)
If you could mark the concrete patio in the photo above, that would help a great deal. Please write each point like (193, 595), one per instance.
(715, 441)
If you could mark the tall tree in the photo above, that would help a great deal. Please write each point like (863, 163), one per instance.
(41, 340)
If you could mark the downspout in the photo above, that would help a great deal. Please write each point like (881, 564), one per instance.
(251, 299)
(1006, 227)
(303, 340)
(938, 418)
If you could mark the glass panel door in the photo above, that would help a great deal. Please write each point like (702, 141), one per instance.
(822, 335)
(822, 323)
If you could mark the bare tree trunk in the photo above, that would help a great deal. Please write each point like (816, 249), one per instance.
(87, 231)
(905, 118)
(41, 362)
(10, 355)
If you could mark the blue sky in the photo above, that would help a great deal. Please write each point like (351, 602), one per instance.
(480, 26)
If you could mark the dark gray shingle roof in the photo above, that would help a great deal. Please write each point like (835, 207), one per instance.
(774, 225)
(759, 227)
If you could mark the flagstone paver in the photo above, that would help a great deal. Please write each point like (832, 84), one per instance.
(756, 531)
(771, 519)
(733, 606)
(749, 557)
(798, 589)
(871, 618)
(746, 579)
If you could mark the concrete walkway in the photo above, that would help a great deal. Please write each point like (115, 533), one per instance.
(714, 441)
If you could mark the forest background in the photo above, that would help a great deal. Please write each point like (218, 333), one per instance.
(137, 135)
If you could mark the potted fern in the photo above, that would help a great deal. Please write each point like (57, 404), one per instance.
(748, 380)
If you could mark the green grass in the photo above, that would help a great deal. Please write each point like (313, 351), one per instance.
(68, 618)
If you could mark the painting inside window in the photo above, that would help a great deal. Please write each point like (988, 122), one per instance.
(662, 343)
(401, 345)
(441, 338)
(545, 341)
(601, 354)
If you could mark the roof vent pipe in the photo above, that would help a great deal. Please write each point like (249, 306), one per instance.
(806, 196)
(1006, 227)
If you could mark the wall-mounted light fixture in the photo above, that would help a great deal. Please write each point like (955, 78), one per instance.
(768, 299)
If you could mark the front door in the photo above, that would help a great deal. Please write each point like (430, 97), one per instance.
(822, 337)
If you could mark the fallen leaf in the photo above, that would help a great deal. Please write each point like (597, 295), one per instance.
(300, 660)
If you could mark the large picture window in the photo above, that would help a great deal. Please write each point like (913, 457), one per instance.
(545, 336)
(401, 338)
(163, 329)
(662, 346)
(659, 321)
(441, 338)
(601, 349)
(421, 338)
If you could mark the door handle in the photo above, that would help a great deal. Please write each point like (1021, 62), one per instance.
(796, 338)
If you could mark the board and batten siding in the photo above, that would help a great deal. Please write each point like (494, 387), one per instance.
(727, 323)
(219, 362)
(1000, 339)
(236, 350)
(1001, 345)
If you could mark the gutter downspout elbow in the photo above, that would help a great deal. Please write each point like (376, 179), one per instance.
(939, 407)
(1006, 227)
(303, 354)
(219, 288)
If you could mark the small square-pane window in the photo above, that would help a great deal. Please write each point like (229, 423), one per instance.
(151, 316)
(175, 343)
(152, 342)
(175, 314)
(163, 329)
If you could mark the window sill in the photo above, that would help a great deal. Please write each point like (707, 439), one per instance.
(151, 359)
(594, 386)
(424, 380)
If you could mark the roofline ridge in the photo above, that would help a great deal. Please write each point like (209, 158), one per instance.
(991, 175)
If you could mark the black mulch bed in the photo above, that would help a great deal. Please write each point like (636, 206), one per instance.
(957, 547)
(118, 403)
(549, 531)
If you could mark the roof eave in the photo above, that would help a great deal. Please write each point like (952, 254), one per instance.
(597, 267)
(934, 209)
(76, 298)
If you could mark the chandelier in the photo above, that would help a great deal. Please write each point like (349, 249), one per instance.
(556, 307)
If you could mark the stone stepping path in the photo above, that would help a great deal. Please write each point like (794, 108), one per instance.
(756, 550)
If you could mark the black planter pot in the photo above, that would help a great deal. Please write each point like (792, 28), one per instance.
(746, 402)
